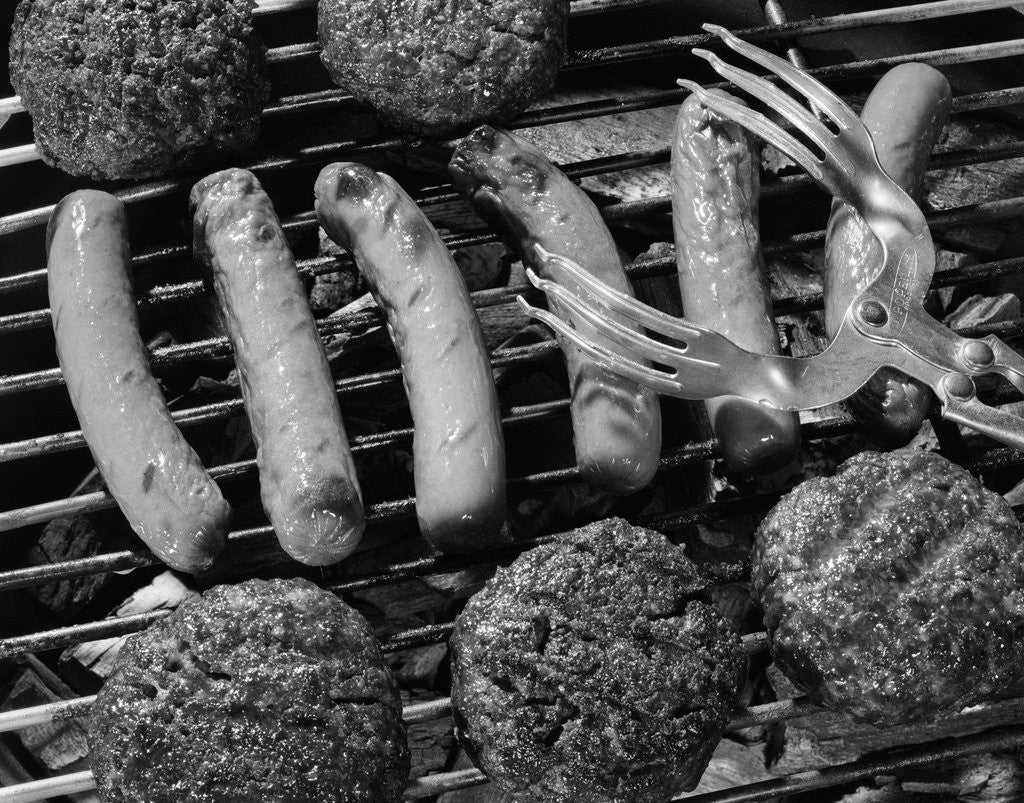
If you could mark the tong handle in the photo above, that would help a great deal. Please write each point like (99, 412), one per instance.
(1006, 361)
(960, 403)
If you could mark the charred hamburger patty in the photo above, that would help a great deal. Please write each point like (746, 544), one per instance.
(431, 66)
(127, 89)
(895, 589)
(594, 668)
(267, 690)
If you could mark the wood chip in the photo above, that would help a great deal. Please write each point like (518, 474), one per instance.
(88, 664)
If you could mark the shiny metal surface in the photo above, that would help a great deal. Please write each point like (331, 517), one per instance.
(885, 325)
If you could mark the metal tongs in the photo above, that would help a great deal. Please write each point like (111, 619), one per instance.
(885, 325)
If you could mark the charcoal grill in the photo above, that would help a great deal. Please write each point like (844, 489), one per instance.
(21, 228)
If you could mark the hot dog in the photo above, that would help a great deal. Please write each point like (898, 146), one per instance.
(308, 481)
(905, 113)
(616, 422)
(156, 478)
(458, 447)
(715, 192)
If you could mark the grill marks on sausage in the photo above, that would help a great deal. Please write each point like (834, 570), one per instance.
(124, 416)
(308, 482)
(458, 446)
(512, 185)
(722, 276)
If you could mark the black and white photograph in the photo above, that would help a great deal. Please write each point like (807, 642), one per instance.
(512, 401)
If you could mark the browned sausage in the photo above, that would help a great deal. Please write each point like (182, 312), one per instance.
(458, 447)
(716, 187)
(308, 481)
(616, 422)
(157, 479)
(905, 114)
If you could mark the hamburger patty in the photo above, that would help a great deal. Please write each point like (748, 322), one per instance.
(267, 690)
(432, 66)
(894, 590)
(127, 89)
(594, 668)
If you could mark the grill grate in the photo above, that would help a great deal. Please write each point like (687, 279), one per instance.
(285, 157)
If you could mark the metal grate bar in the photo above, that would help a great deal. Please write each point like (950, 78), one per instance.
(129, 559)
(93, 502)
(323, 153)
(73, 439)
(102, 500)
(323, 265)
(133, 623)
(337, 99)
(213, 348)
(412, 714)
(45, 714)
(417, 712)
(316, 266)
(893, 763)
(48, 788)
(993, 99)
(74, 634)
(579, 8)
(744, 717)
(896, 761)
(65, 636)
(37, 278)
(64, 441)
(969, 274)
(671, 45)
(218, 347)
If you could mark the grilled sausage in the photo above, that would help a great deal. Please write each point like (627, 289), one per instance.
(155, 476)
(715, 193)
(458, 448)
(308, 481)
(616, 422)
(905, 113)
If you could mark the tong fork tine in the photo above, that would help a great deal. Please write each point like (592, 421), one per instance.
(615, 301)
(845, 153)
(616, 362)
(726, 105)
(612, 303)
(701, 351)
(706, 364)
(837, 148)
(771, 95)
(639, 346)
(848, 168)
(811, 88)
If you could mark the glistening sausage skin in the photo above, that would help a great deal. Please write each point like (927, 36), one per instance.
(308, 481)
(156, 478)
(616, 422)
(458, 446)
(715, 192)
(905, 113)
